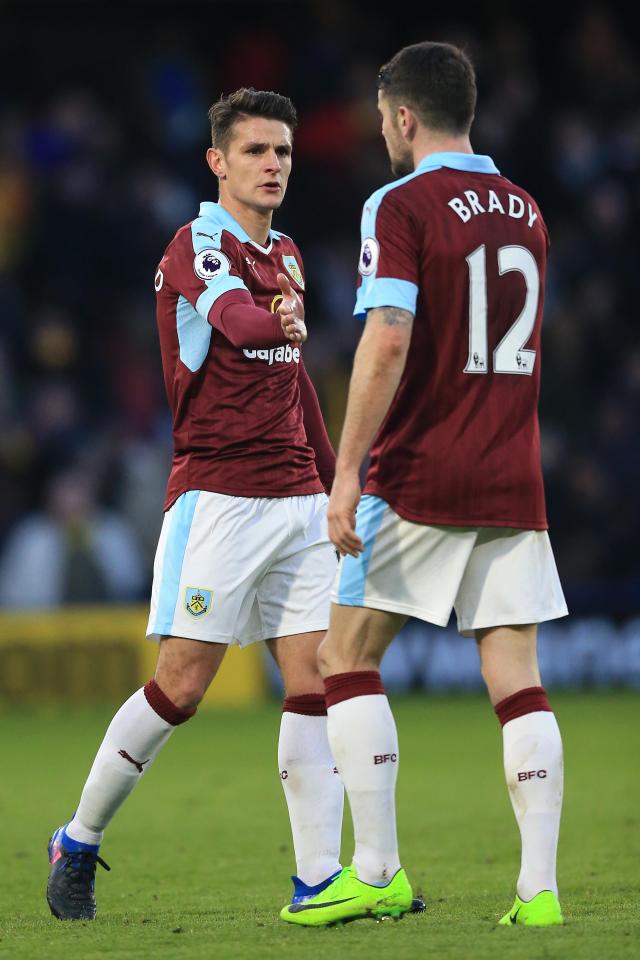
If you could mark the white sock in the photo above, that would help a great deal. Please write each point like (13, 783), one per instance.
(364, 744)
(534, 772)
(136, 730)
(314, 795)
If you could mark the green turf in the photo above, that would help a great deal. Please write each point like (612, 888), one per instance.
(201, 852)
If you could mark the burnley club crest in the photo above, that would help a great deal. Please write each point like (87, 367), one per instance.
(198, 601)
(294, 270)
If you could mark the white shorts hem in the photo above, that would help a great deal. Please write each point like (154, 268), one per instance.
(286, 630)
(391, 606)
(289, 630)
(173, 631)
(466, 627)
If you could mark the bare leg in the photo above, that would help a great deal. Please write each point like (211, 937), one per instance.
(297, 658)
(357, 639)
(185, 669)
(508, 660)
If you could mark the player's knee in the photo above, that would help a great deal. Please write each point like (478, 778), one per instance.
(493, 678)
(326, 658)
(485, 671)
(305, 679)
(189, 697)
(334, 657)
(185, 693)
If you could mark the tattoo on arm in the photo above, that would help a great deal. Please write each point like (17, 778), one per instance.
(390, 317)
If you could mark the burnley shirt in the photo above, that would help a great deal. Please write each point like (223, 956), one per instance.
(464, 250)
(237, 418)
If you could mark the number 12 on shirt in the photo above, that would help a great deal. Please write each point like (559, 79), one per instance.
(509, 356)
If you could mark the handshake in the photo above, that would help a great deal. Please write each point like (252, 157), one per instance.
(291, 311)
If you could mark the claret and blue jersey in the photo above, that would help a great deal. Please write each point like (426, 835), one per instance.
(237, 420)
(464, 250)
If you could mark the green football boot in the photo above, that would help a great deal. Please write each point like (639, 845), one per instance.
(542, 911)
(349, 898)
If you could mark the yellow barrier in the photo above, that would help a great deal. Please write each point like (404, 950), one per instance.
(89, 654)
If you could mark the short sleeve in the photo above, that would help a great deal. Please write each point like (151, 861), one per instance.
(201, 266)
(388, 269)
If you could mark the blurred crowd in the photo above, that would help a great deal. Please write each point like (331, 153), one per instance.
(102, 145)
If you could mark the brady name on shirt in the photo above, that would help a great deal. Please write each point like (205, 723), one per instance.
(449, 243)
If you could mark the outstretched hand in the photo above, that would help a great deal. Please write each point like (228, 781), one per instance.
(291, 311)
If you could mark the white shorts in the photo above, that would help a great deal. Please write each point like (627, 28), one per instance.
(240, 569)
(492, 576)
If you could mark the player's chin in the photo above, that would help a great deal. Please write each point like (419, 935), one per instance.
(270, 200)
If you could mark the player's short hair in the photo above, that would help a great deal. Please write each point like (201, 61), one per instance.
(247, 102)
(437, 81)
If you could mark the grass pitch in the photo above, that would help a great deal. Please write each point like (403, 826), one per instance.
(201, 852)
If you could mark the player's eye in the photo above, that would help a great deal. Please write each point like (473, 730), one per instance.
(283, 151)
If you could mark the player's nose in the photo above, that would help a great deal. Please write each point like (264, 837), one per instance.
(273, 161)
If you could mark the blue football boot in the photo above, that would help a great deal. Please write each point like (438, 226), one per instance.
(72, 877)
(302, 891)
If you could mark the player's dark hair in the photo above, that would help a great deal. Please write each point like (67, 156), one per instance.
(247, 102)
(435, 80)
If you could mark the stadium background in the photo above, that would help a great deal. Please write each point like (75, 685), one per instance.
(102, 134)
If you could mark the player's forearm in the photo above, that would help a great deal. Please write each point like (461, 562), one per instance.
(244, 324)
(370, 394)
(377, 370)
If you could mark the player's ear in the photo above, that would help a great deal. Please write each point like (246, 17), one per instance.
(407, 123)
(217, 163)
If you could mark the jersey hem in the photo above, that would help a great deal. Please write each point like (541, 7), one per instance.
(433, 519)
(306, 490)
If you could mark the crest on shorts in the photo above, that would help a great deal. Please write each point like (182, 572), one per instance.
(292, 267)
(197, 601)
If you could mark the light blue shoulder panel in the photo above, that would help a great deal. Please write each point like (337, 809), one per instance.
(206, 234)
(193, 328)
(377, 291)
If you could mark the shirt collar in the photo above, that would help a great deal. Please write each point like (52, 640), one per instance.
(469, 162)
(213, 210)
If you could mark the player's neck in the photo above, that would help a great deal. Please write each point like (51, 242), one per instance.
(428, 143)
(257, 223)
